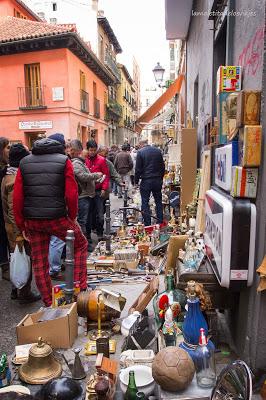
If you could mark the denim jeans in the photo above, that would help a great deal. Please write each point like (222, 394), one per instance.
(97, 207)
(154, 186)
(84, 209)
(126, 179)
(114, 187)
(56, 248)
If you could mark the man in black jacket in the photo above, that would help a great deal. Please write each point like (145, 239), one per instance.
(150, 169)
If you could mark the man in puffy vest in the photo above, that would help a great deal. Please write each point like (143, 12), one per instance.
(46, 204)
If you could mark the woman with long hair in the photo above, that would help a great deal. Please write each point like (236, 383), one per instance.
(4, 155)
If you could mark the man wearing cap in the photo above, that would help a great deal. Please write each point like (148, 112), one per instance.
(45, 205)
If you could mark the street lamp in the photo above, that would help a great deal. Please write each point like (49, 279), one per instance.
(158, 72)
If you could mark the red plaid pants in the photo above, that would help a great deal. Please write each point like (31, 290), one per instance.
(39, 233)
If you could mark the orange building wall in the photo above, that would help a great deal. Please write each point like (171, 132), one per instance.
(7, 9)
(59, 68)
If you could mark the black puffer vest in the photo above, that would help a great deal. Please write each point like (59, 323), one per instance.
(43, 175)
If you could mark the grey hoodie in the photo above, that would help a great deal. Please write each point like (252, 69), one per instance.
(84, 178)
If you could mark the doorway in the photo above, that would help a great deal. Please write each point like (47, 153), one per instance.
(84, 136)
(31, 137)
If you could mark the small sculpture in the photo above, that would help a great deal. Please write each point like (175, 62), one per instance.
(170, 328)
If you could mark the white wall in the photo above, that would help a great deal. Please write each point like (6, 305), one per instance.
(79, 12)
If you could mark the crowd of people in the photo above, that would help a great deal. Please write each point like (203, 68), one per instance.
(58, 186)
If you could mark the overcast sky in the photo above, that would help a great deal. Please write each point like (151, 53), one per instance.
(140, 29)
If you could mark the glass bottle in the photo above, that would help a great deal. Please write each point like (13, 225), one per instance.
(205, 363)
(194, 319)
(132, 390)
(140, 396)
(176, 299)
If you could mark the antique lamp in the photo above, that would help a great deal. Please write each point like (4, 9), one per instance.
(114, 301)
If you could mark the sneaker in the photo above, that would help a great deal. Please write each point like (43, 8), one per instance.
(120, 196)
(30, 298)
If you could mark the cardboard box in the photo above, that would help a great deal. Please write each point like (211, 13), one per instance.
(248, 108)
(228, 79)
(244, 182)
(59, 332)
(249, 145)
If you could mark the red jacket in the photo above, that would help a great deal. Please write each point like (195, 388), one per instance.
(99, 164)
(71, 196)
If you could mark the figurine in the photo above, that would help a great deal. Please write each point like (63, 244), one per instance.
(5, 374)
(170, 328)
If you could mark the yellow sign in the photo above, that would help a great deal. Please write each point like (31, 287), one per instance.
(171, 132)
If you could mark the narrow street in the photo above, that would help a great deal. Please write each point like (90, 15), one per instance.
(159, 107)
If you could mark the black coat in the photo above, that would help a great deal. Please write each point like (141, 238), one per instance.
(149, 164)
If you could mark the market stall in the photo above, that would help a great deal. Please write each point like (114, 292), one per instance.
(148, 326)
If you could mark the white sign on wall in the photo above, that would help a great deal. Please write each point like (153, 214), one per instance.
(58, 93)
(35, 125)
(90, 123)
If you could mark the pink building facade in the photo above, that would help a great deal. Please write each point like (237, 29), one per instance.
(52, 83)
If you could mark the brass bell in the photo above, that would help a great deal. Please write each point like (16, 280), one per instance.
(41, 365)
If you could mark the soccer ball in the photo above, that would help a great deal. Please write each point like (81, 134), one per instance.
(173, 369)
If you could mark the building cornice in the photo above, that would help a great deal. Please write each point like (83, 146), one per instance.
(69, 40)
(104, 23)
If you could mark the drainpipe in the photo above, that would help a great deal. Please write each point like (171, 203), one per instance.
(230, 34)
(69, 263)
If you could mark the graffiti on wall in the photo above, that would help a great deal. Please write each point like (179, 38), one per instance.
(251, 56)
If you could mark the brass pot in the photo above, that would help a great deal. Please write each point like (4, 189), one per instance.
(41, 365)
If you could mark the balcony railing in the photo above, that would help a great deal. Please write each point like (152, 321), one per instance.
(96, 108)
(114, 107)
(84, 101)
(30, 98)
(111, 64)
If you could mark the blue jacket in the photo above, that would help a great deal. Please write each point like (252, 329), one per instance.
(149, 164)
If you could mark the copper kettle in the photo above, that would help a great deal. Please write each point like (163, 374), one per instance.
(41, 365)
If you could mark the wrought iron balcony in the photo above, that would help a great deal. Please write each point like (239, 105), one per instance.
(96, 108)
(30, 98)
(84, 101)
(114, 107)
(111, 64)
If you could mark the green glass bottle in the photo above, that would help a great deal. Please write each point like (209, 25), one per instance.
(132, 390)
(170, 286)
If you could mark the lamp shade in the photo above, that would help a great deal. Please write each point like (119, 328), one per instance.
(158, 71)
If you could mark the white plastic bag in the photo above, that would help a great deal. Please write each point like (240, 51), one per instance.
(19, 268)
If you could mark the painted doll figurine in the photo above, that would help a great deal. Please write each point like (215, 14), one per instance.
(170, 328)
